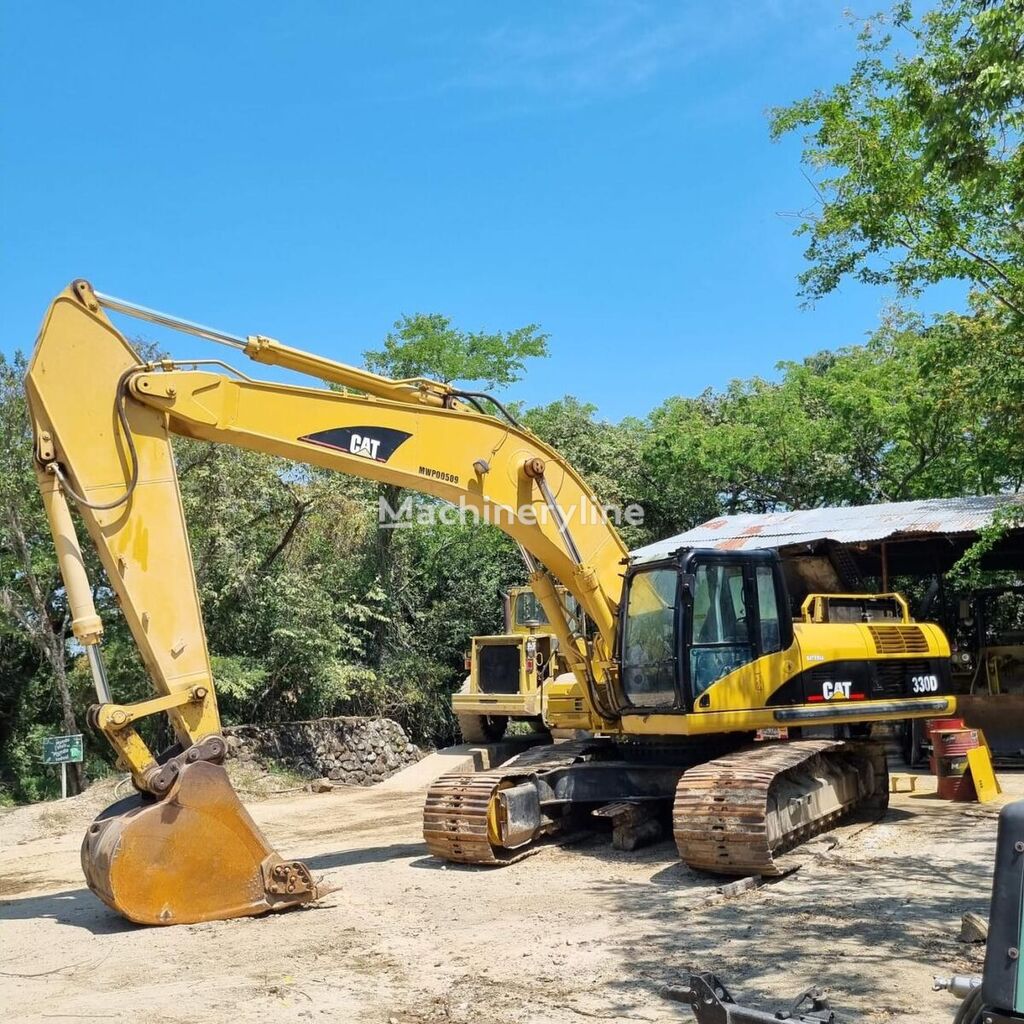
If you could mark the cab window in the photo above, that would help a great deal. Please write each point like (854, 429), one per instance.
(721, 627)
(649, 646)
(768, 609)
(529, 611)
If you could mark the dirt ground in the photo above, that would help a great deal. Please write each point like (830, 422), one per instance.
(570, 935)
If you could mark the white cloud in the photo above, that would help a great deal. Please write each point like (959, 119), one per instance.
(606, 47)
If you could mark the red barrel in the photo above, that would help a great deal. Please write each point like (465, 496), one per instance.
(934, 725)
(950, 758)
(954, 741)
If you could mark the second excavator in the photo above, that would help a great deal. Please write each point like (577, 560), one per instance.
(684, 657)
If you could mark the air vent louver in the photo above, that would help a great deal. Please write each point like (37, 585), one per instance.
(899, 639)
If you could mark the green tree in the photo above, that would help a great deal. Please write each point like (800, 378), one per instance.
(427, 345)
(921, 410)
(916, 159)
(606, 454)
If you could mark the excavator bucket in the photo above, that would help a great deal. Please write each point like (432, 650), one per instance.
(194, 855)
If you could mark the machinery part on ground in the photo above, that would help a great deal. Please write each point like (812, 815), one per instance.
(633, 824)
(997, 997)
(691, 646)
(213, 863)
(712, 1003)
(737, 814)
(959, 985)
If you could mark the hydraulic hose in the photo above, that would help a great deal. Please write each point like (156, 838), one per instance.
(474, 396)
(122, 416)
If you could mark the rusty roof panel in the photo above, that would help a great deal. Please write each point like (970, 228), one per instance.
(853, 524)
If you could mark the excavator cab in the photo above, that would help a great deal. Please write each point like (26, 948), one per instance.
(695, 618)
(708, 633)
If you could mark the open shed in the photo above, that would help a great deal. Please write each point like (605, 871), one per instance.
(837, 548)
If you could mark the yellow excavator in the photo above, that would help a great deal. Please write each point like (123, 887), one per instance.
(683, 658)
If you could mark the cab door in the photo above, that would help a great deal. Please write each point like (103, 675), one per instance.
(738, 615)
(651, 632)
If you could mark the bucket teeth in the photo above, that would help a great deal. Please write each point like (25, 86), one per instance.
(193, 855)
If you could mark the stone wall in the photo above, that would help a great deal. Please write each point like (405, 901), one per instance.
(357, 751)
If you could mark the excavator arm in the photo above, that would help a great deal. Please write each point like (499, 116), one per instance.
(103, 421)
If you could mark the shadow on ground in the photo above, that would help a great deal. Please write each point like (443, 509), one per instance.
(366, 855)
(78, 908)
(864, 919)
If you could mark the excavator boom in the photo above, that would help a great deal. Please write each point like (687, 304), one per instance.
(185, 849)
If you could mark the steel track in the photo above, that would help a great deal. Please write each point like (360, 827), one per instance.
(455, 813)
(720, 815)
(720, 812)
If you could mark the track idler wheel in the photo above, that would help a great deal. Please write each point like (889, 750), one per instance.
(192, 855)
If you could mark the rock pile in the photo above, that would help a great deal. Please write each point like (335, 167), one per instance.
(357, 751)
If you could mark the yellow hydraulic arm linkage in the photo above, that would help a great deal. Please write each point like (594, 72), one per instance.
(185, 850)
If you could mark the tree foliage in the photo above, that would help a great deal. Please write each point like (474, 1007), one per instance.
(311, 609)
(427, 345)
(916, 159)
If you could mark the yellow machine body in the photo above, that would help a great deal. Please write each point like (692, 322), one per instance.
(820, 657)
(508, 671)
(103, 421)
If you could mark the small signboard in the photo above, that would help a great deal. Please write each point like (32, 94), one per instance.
(62, 749)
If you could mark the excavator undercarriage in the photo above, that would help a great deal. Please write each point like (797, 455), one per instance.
(735, 814)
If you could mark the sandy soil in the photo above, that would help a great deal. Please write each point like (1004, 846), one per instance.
(570, 935)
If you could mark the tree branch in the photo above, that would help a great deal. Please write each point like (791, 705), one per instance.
(300, 510)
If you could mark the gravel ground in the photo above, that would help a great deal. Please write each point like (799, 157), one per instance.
(573, 934)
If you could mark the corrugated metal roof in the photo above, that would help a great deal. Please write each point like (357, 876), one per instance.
(850, 524)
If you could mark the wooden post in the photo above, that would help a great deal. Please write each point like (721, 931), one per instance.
(63, 780)
(885, 568)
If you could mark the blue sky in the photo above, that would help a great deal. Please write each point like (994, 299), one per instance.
(313, 170)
